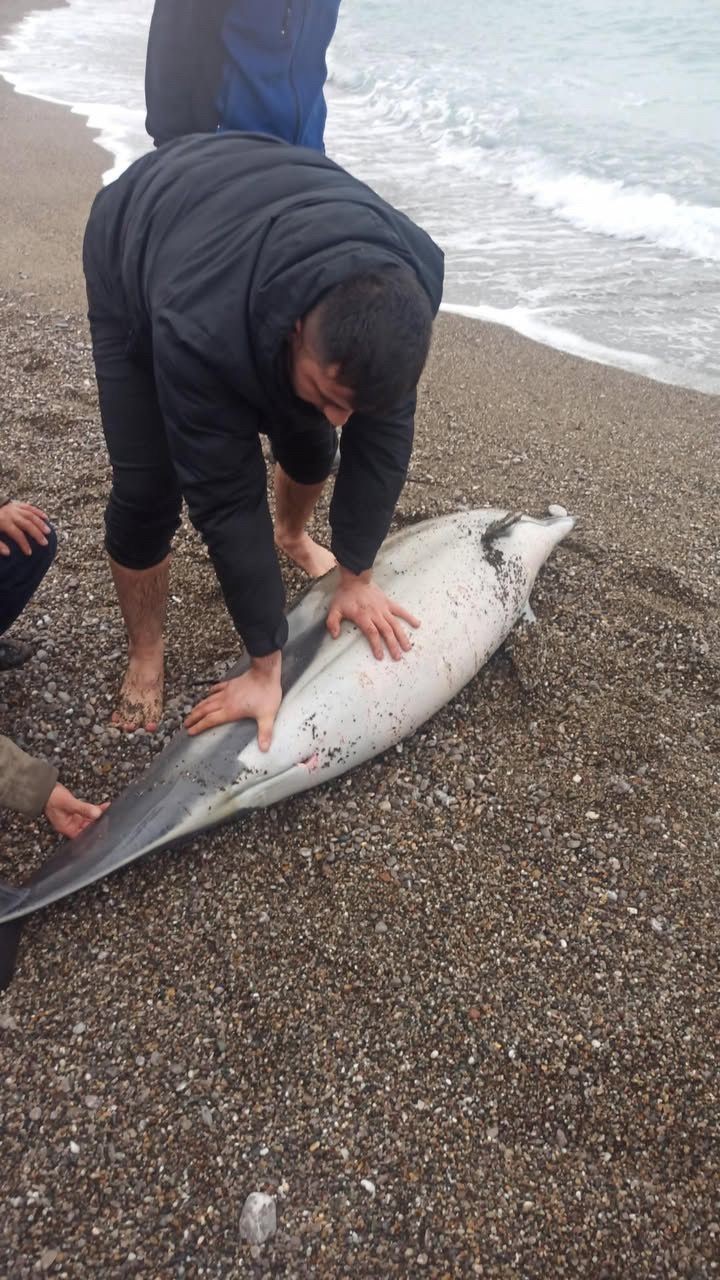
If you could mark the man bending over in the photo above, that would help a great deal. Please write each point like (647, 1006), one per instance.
(239, 286)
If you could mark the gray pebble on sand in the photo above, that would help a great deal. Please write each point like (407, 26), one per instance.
(258, 1220)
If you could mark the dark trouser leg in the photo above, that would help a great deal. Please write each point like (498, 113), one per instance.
(20, 577)
(142, 514)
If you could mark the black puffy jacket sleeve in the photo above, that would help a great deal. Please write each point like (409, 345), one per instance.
(374, 458)
(183, 67)
(214, 443)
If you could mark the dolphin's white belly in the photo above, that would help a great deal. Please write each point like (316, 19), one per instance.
(348, 706)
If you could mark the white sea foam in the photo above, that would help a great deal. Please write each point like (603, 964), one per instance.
(572, 182)
(466, 139)
(88, 57)
(616, 209)
(531, 324)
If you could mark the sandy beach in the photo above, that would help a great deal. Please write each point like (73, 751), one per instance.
(458, 1010)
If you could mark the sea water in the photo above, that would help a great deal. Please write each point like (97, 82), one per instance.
(566, 155)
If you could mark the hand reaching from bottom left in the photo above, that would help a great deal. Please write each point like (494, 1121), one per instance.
(68, 815)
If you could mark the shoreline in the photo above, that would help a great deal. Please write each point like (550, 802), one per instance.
(36, 227)
(55, 171)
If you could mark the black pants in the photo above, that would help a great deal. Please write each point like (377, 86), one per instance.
(143, 511)
(21, 575)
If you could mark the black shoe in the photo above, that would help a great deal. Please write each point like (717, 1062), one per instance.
(13, 655)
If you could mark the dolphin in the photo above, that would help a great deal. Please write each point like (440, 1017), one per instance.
(467, 576)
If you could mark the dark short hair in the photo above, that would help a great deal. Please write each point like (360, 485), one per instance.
(377, 328)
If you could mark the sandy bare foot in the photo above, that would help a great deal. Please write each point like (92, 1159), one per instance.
(140, 703)
(308, 554)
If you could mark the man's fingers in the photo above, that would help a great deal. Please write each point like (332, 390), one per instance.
(88, 811)
(334, 619)
(401, 635)
(36, 532)
(40, 514)
(206, 721)
(370, 631)
(4, 549)
(384, 626)
(265, 732)
(204, 708)
(399, 612)
(22, 524)
(18, 536)
(29, 521)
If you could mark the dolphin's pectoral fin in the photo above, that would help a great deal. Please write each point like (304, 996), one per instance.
(9, 943)
(11, 897)
(528, 615)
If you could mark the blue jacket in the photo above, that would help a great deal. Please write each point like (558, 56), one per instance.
(255, 65)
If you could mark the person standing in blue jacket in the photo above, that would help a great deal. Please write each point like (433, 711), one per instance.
(254, 65)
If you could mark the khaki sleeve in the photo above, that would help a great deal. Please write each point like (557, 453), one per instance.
(25, 783)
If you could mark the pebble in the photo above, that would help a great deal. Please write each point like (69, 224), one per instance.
(554, 509)
(258, 1220)
(368, 1186)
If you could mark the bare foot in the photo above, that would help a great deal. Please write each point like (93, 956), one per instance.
(140, 703)
(307, 553)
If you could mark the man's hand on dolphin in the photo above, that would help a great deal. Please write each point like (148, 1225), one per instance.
(255, 695)
(361, 601)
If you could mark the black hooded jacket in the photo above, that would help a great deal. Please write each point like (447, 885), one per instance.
(213, 247)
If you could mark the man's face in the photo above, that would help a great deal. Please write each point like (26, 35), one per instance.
(314, 382)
